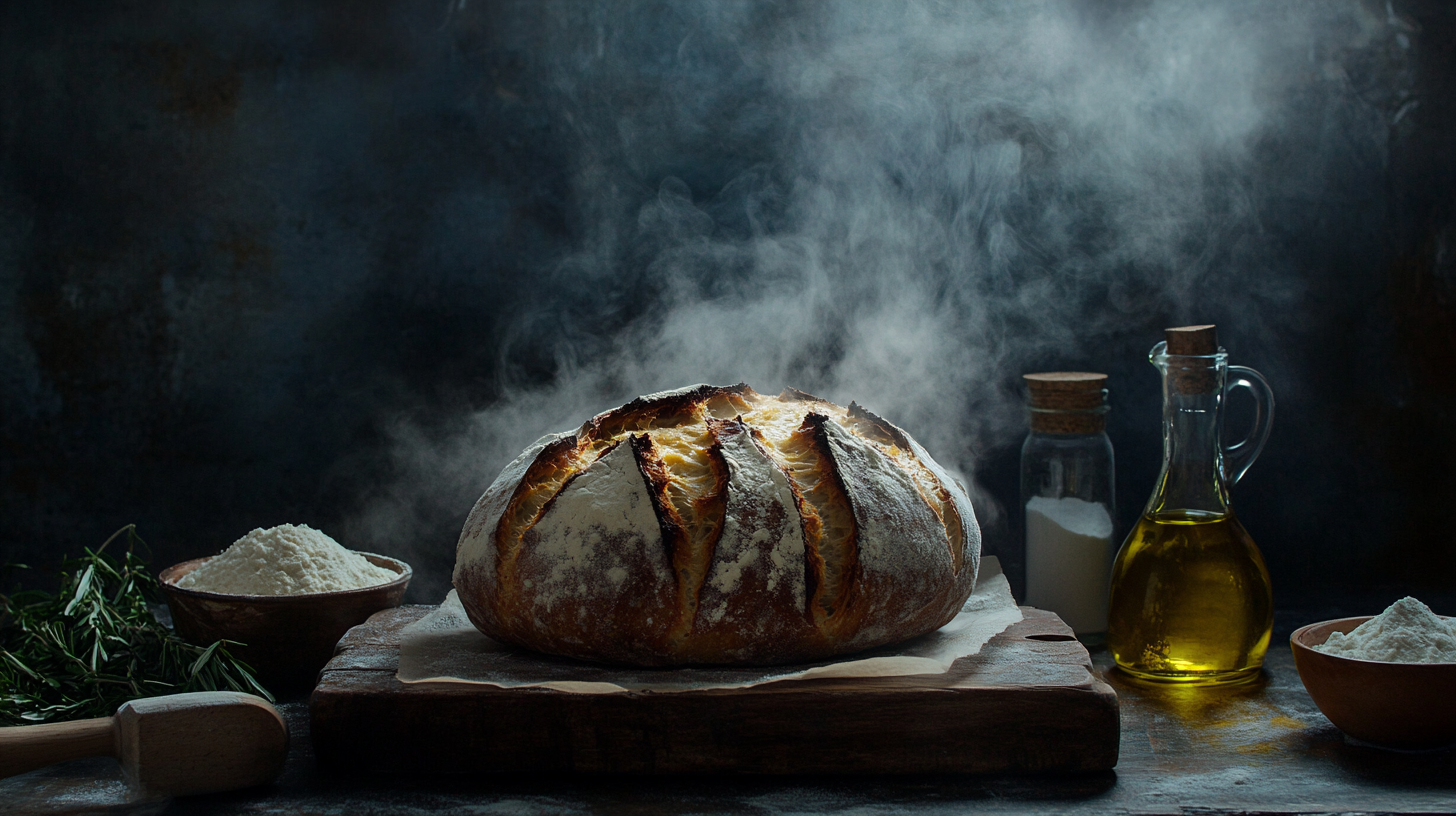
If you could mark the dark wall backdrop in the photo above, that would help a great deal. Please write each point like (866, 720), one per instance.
(335, 263)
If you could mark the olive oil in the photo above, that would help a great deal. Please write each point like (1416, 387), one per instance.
(1191, 600)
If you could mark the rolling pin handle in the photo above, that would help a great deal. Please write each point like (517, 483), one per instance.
(27, 747)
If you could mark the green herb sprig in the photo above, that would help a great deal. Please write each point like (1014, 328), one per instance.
(95, 644)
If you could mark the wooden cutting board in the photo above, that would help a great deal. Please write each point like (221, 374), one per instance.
(1027, 702)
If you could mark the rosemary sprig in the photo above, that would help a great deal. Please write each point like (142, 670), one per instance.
(95, 644)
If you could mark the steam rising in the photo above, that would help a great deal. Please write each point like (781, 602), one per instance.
(901, 204)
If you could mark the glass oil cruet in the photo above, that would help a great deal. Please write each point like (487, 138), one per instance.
(1191, 599)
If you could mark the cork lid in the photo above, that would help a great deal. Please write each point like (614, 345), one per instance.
(1067, 402)
(1066, 390)
(1192, 376)
(1192, 340)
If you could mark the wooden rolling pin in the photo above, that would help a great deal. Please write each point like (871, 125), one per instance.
(179, 744)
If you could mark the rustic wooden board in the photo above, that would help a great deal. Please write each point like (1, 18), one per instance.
(1027, 702)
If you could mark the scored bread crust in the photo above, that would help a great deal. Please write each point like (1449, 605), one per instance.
(716, 525)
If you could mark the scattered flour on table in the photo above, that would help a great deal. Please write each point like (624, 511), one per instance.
(285, 560)
(1407, 632)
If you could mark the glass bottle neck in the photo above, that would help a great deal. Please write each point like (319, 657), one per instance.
(1191, 486)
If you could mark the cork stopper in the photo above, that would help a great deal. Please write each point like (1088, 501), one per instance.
(1067, 402)
(1192, 341)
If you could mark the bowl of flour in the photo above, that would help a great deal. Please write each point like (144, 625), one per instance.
(1385, 679)
(287, 593)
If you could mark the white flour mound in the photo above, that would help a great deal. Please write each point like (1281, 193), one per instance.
(1407, 632)
(285, 560)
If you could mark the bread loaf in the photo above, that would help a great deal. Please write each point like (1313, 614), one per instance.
(715, 525)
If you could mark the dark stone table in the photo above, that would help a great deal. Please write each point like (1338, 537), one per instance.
(1257, 748)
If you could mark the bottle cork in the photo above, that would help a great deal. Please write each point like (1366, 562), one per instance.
(1192, 377)
(1067, 402)
(1192, 340)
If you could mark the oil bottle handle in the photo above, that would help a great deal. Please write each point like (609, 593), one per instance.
(1238, 457)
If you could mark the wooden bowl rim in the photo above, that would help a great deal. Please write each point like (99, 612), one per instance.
(404, 570)
(1296, 641)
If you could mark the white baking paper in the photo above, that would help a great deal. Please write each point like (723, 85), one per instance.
(445, 647)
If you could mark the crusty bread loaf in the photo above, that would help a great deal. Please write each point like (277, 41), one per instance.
(715, 525)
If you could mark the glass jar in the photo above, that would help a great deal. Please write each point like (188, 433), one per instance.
(1067, 489)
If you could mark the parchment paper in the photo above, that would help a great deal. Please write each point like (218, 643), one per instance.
(444, 647)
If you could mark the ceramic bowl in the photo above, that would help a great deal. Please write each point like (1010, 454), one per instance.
(1407, 706)
(288, 638)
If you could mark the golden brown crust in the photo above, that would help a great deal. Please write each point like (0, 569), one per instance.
(834, 548)
(731, 528)
(873, 427)
(932, 488)
(543, 482)
(580, 586)
(743, 605)
(659, 410)
(688, 538)
(674, 536)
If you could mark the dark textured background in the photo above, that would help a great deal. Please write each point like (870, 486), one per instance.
(330, 263)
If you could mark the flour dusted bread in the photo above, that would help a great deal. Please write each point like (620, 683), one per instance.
(716, 525)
